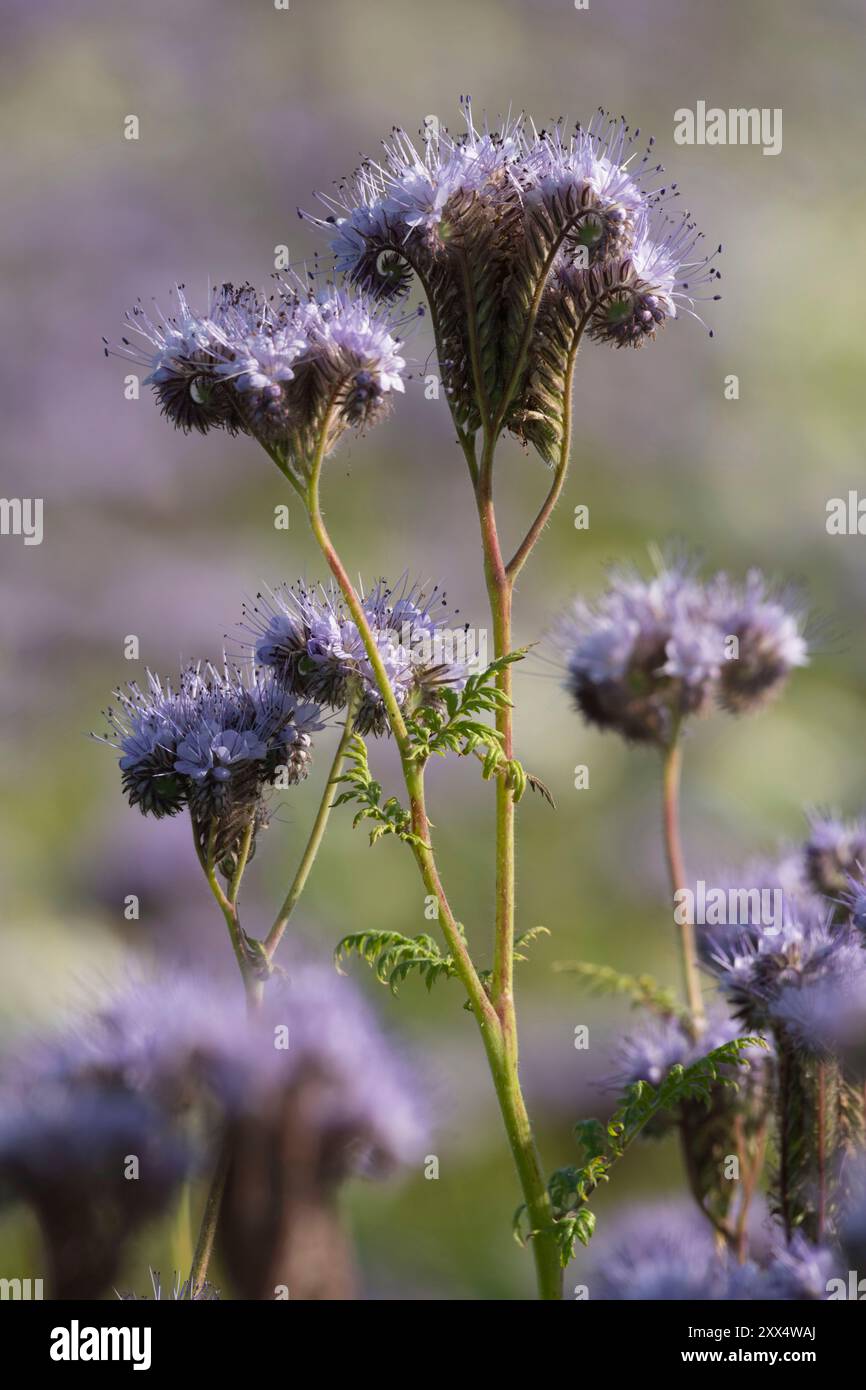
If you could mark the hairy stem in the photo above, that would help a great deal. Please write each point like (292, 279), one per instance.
(500, 587)
(228, 903)
(501, 1054)
(317, 834)
(523, 551)
(671, 775)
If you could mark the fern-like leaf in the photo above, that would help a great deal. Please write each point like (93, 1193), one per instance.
(393, 956)
(388, 817)
(603, 1145)
(642, 990)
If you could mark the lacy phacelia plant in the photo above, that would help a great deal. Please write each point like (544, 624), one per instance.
(652, 654)
(525, 241)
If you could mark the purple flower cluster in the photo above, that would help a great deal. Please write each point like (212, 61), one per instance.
(835, 857)
(666, 1253)
(212, 744)
(307, 638)
(651, 653)
(281, 368)
(522, 239)
(802, 973)
(629, 268)
(770, 975)
(649, 1053)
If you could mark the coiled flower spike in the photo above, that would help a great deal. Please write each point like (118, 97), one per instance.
(520, 237)
(306, 637)
(295, 371)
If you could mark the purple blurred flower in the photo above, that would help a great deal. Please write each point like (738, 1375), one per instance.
(759, 970)
(645, 655)
(650, 653)
(834, 851)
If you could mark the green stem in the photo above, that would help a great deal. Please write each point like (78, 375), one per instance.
(209, 1222)
(501, 1050)
(317, 834)
(671, 776)
(228, 904)
(523, 551)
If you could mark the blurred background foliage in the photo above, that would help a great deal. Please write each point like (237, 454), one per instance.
(244, 111)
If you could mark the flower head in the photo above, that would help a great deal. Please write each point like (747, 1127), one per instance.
(627, 299)
(667, 1253)
(401, 212)
(834, 853)
(586, 181)
(768, 643)
(284, 368)
(123, 1075)
(759, 970)
(650, 653)
(212, 744)
(645, 656)
(310, 641)
(662, 1252)
(352, 355)
(528, 235)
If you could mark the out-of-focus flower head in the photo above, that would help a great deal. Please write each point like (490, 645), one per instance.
(826, 1017)
(667, 1253)
(806, 949)
(650, 653)
(769, 641)
(834, 853)
(645, 656)
(659, 1044)
(649, 1053)
(308, 639)
(120, 1080)
(663, 1252)
(800, 1271)
(744, 902)
(852, 1224)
